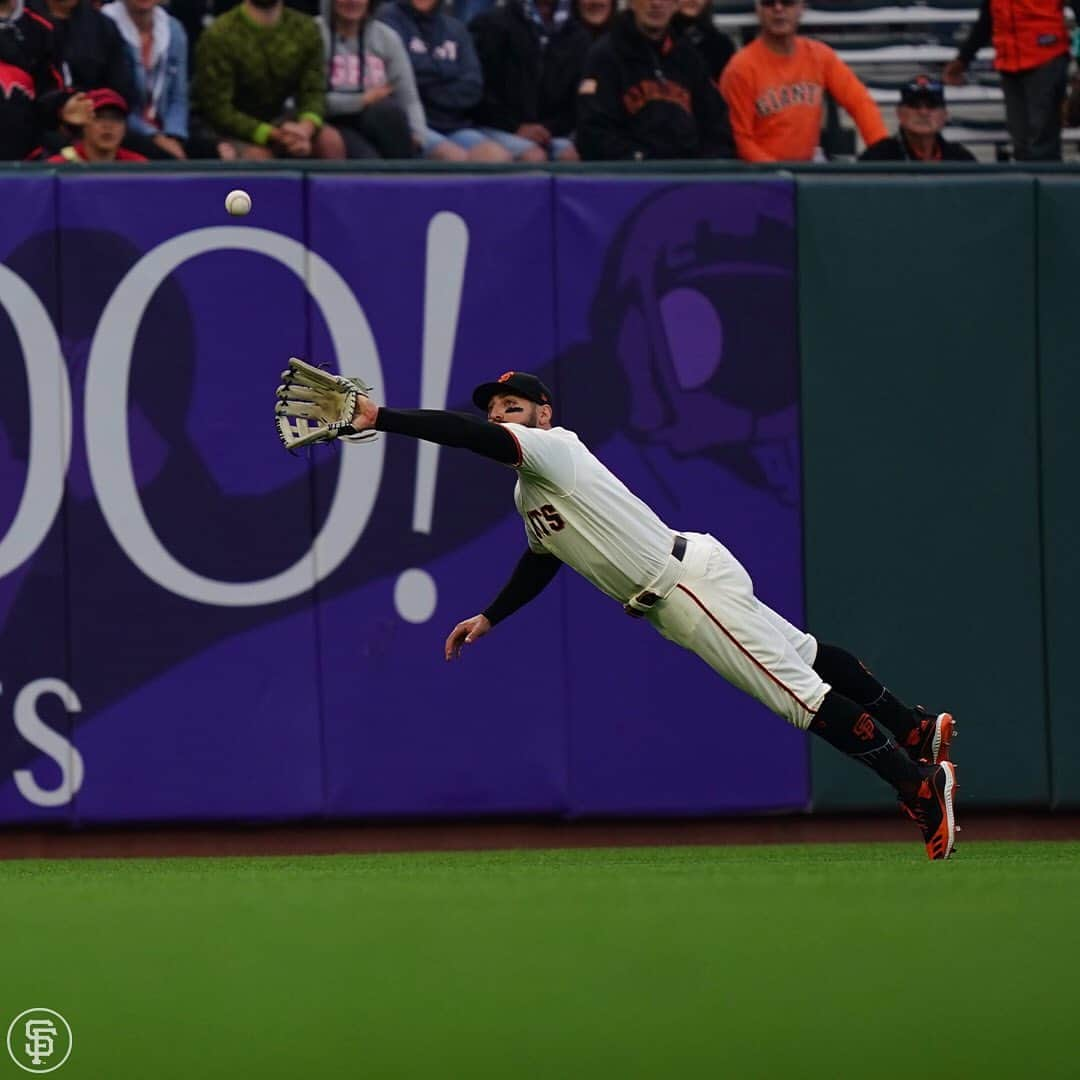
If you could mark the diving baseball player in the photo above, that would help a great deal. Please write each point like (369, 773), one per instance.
(687, 585)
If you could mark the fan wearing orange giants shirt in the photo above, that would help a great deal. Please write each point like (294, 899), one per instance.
(775, 89)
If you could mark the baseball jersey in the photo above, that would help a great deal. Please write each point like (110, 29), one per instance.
(577, 510)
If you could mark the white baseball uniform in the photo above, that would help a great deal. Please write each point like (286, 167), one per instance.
(577, 510)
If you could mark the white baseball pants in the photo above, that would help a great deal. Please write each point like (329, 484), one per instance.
(712, 611)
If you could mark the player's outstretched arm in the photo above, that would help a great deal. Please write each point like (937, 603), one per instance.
(445, 428)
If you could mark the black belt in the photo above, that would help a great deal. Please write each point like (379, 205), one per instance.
(647, 599)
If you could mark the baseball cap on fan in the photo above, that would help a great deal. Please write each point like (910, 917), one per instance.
(512, 382)
(922, 90)
(104, 98)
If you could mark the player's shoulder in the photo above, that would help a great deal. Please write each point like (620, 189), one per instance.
(538, 444)
(559, 434)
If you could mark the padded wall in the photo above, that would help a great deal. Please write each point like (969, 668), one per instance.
(920, 413)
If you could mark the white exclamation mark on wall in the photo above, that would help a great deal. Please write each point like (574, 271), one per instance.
(415, 594)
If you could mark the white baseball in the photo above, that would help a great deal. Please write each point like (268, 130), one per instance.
(238, 203)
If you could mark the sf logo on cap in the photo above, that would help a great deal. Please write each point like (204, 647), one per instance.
(506, 376)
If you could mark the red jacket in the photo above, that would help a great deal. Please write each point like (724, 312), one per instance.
(1026, 33)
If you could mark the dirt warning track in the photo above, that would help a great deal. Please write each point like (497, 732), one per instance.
(359, 838)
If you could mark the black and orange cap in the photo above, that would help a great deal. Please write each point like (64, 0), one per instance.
(923, 90)
(512, 382)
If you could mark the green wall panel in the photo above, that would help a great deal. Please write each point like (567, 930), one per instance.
(1059, 352)
(920, 393)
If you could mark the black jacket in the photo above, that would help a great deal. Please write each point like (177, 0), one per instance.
(895, 148)
(716, 49)
(639, 99)
(90, 53)
(524, 81)
(31, 93)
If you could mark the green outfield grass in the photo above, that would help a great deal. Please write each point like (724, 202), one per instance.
(787, 961)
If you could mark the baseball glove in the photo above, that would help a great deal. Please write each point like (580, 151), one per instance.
(315, 406)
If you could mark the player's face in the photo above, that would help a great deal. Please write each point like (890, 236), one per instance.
(691, 8)
(511, 409)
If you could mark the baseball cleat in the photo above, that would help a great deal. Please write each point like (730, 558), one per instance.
(933, 809)
(931, 740)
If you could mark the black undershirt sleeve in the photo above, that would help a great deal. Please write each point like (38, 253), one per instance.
(452, 429)
(531, 576)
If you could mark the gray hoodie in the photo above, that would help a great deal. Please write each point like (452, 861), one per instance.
(383, 60)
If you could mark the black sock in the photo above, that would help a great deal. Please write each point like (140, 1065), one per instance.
(853, 731)
(843, 671)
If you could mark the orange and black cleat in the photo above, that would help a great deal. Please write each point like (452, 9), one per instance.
(933, 809)
(931, 741)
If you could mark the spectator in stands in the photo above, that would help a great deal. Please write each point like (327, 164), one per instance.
(249, 63)
(102, 134)
(532, 53)
(694, 21)
(645, 94)
(34, 101)
(922, 116)
(371, 93)
(157, 126)
(89, 51)
(448, 77)
(595, 15)
(775, 88)
(1031, 51)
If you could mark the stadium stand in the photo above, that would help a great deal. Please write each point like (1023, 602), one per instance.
(886, 44)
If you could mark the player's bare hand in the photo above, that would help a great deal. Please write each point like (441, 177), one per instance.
(364, 416)
(465, 633)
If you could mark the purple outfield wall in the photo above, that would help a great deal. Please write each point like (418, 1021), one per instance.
(196, 626)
